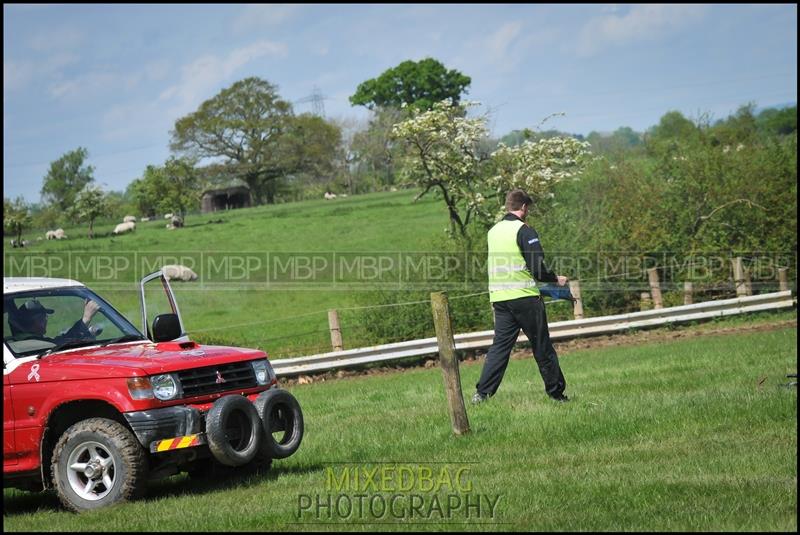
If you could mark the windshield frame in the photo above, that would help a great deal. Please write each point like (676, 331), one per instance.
(111, 313)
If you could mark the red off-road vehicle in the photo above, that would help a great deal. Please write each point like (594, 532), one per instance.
(94, 408)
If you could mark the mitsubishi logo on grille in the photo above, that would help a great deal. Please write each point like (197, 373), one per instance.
(220, 378)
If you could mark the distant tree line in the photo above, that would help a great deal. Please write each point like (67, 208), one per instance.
(248, 133)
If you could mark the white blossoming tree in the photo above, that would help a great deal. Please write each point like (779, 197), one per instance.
(90, 204)
(446, 156)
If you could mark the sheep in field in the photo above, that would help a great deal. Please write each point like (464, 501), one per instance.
(124, 227)
(178, 273)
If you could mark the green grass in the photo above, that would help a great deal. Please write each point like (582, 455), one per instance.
(284, 318)
(381, 222)
(675, 436)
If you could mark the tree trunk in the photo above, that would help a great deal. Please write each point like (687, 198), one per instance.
(91, 229)
(270, 191)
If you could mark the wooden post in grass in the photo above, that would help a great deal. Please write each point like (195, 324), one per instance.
(336, 332)
(449, 362)
(577, 306)
(688, 288)
(783, 279)
(645, 302)
(655, 287)
(741, 278)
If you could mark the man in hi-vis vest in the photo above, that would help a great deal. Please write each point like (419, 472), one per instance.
(516, 262)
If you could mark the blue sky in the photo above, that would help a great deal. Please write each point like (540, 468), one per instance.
(114, 78)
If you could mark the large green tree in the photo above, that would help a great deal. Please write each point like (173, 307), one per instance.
(242, 125)
(66, 177)
(418, 84)
(173, 187)
(311, 147)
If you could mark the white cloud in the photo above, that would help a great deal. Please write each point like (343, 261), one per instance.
(500, 40)
(641, 23)
(260, 15)
(93, 83)
(199, 80)
(202, 76)
(18, 75)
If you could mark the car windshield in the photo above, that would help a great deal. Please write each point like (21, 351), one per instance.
(41, 320)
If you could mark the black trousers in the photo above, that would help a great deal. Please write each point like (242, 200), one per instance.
(528, 314)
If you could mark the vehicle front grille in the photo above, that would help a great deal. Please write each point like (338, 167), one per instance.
(211, 379)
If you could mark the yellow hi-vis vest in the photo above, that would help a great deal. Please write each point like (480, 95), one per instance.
(509, 277)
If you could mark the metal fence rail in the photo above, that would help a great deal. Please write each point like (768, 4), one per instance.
(558, 331)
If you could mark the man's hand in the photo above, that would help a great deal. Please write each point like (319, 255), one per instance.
(90, 308)
(562, 280)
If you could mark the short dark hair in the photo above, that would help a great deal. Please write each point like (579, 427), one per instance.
(516, 198)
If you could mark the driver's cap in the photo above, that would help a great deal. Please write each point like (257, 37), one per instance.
(35, 307)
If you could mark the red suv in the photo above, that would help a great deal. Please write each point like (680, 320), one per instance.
(94, 408)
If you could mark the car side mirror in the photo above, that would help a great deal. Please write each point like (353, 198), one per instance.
(166, 327)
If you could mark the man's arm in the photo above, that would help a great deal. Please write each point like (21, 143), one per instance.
(80, 329)
(528, 242)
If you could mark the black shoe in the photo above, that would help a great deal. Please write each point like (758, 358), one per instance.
(561, 399)
(477, 398)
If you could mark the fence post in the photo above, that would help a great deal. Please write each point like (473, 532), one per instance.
(688, 298)
(449, 362)
(645, 303)
(577, 306)
(783, 279)
(336, 332)
(655, 287)
(741, 278)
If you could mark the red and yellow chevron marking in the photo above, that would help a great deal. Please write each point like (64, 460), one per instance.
(177, 443)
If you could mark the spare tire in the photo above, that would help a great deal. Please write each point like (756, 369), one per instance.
(280, 412)
(233, 430)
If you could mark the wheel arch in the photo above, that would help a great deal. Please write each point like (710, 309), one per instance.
(62, 418)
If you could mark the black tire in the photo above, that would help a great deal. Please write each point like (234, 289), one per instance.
(280, 411)
(114, 465)
(233, 430)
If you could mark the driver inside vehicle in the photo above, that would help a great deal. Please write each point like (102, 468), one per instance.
(30, 321)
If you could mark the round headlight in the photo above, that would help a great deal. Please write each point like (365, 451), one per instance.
(261, 370)
(164, 387)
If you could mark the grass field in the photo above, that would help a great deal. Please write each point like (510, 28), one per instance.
(309, 231)
(271, 273)
(692, 434)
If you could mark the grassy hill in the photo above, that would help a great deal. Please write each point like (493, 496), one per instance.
(261, 266)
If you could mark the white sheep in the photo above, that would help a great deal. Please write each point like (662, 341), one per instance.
(144, 219)
(124, 227)
(50, 234)
(168, 216)
(59, 234)
(129, 219)
(179, 273)
(329, 196)
(176, 222)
